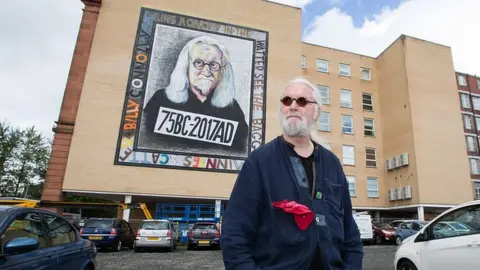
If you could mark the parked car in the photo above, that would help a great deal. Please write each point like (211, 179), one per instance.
(204, 235)
(156, 233)
(112, 233)
(407, 229)
(397, 222)
(32, 238)
(432, 248)
(383, 232)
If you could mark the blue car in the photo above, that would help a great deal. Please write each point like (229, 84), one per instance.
(32, 238)
(407, 229)
(110, 233)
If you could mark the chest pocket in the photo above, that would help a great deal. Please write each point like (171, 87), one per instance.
(334, 209)
(285, 230)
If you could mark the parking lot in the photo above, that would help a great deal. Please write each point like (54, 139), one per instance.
(377, 257)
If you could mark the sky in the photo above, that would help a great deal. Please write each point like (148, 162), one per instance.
(37, 39)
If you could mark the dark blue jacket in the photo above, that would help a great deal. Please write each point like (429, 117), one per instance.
(257, 236)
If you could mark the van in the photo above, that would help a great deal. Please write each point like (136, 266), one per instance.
(364, 223)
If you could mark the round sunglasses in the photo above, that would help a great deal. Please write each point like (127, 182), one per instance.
(301, 101)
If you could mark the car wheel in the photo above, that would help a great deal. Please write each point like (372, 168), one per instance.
(378, 239)
(406, 265)
(398, 240)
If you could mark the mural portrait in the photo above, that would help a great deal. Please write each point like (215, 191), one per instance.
(195, 97)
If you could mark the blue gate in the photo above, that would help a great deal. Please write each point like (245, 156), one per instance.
(185, 214)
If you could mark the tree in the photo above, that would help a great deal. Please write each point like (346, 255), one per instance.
(24, 158)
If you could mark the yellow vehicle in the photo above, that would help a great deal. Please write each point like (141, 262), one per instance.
(21, 202)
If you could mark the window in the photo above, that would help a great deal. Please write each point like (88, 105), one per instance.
(467, 121)
(327, 146)
(474, 166)
(324, 121)
(365, 74)
(348, 155)
(372, 187)
(461, 80)
(471, 144)
(369, 127)
(477, 122)
(346, 98)
(465, 101)
(367, 102)
(478, 83)
(371, 157)
(344, 70)
(322, 65)
(25, 225)
(60, 230)
(476, 190)
(351, 185)
(476, 103)
(347, 124)
(324, 94)
(304, 61)
(459, 223)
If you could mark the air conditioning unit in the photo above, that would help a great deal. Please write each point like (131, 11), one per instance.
(392, 194)
(404, 159)
(407, 192)
(396, 162)
(388, 164)
(399, 193)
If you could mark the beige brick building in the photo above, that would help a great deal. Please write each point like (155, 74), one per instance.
(392, 120)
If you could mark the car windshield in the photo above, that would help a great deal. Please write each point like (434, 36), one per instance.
(153, 225)
(97, 223)
(384, 226)
(204, 226)
(2, 216)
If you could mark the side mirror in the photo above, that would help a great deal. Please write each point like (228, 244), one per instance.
(422, 236)
(20, 245)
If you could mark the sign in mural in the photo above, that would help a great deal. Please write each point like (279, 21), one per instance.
(195, 96)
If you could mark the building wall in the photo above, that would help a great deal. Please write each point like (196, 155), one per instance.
(397, 128)
(335, 137)
(90, 165)
(439, 146)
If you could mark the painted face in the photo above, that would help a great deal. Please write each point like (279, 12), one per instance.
(204, 71)
(298, 117)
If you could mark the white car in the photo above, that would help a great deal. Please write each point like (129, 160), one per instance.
(156, 233)
(440, 247)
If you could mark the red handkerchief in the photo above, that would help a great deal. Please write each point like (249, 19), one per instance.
(302, 215)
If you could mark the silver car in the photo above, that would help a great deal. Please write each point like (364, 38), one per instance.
(156, 233)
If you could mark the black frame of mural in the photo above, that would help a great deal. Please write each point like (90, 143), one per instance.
(139, 68)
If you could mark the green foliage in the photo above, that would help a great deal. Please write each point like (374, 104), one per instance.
(24, 155)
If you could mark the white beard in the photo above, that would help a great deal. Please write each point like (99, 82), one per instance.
(295, 129)
(203, 85)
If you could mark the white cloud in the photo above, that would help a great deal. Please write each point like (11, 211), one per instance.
(36, 48)
(451, 23)
(294, 3)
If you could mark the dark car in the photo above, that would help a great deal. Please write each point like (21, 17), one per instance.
(204, 235)
(111, 233)
(383, 232)
(32, 238)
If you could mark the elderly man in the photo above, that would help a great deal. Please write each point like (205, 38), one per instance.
(198, 110)
(290, 207)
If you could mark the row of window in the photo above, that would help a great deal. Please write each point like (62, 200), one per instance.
(348, 155)
(343, 68)
(345, 98)
(468, 122)
(465, 101)
(462, 80)
(347, 124)
(372, 186)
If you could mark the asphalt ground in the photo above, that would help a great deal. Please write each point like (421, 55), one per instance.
(377, 257)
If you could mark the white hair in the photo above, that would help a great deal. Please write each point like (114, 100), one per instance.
(313, 133)
(177, 90)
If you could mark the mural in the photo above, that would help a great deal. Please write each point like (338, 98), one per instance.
(195, 96)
